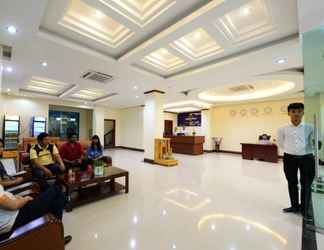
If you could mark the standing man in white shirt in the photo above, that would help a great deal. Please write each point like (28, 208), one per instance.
(297, 142)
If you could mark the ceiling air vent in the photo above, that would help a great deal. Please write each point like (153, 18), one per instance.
(241, 88)
(6, 52)
(97, 77)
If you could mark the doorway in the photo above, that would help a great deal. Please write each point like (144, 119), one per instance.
(110, 133)
(168, 128)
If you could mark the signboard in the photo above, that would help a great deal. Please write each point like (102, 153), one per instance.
(190, 119)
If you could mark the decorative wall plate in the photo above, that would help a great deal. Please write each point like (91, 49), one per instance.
(243, 112)
(267, 110)
(254, 111)
(233, 112)
(284, 108)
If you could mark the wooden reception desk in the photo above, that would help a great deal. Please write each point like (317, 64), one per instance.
(192, 145)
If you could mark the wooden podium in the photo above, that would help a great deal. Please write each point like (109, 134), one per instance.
(163, 153)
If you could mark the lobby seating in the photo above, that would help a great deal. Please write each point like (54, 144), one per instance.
(36, 235)
(24, 161)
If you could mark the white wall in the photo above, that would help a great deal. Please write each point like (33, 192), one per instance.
(132, 127)
(25, 108)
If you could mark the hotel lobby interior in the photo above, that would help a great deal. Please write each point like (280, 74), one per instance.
(187, 98)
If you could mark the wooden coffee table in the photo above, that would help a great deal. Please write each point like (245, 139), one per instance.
(83, 189)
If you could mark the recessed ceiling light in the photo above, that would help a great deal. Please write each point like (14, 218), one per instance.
(137, 97)
(99, 14)
(9, 69)
(281, 61)
(44, 64)
(135, 87)
(246, 11)
(164, 51)
(12, 29)
(197, 35)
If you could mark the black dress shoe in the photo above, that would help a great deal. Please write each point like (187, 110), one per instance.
(67, 239)
(291, 210)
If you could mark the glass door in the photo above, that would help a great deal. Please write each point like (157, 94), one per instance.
(313, 52)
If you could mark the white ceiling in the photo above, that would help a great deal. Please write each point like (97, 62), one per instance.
(248, 51)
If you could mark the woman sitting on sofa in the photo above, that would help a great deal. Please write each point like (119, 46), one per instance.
(95, 151)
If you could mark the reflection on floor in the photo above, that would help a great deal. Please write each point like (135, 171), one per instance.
(320, 241)
(209, 202)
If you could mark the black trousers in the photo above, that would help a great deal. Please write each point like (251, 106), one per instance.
(306, 166)
(51, 201)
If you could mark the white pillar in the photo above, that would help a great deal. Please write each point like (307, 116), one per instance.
(1, 69)
(98, 122)
(153, 122)
(206, 128)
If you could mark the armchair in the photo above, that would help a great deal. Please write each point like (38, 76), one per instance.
(36, 235)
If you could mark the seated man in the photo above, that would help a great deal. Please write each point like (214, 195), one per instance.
(46, 161)
(18, 211)
(72, 152)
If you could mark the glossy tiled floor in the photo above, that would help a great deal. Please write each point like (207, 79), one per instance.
(209, 202)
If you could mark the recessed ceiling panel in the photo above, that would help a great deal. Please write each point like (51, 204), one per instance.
(249, 22)
(140, 12)
(92, 23)
(164, 60)
(197, 45)
(46, 86)
(88, 94)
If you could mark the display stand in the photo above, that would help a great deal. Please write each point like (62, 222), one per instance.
(163, 153)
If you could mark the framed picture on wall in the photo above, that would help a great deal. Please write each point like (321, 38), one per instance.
(189, 119)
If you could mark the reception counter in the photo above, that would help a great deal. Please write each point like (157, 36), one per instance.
(192, 145)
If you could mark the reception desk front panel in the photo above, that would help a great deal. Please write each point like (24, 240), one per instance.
(192, 145)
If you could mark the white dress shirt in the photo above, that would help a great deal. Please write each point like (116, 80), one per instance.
(297, 140)
(7, 217)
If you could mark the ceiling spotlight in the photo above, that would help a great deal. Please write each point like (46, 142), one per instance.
(9, 69)
(281, 61)
(246, 11)
(135, 87)
(44, 64)
(12, 29)
(197, 35)
(164, 52)
(137, 97)
(99, 14)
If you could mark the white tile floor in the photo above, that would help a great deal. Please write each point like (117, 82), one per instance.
(208, 202)
(320, 241)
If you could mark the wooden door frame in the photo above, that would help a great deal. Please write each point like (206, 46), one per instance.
(114, 128)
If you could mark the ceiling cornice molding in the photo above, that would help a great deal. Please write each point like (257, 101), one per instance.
(50, 36)
(231, 58)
